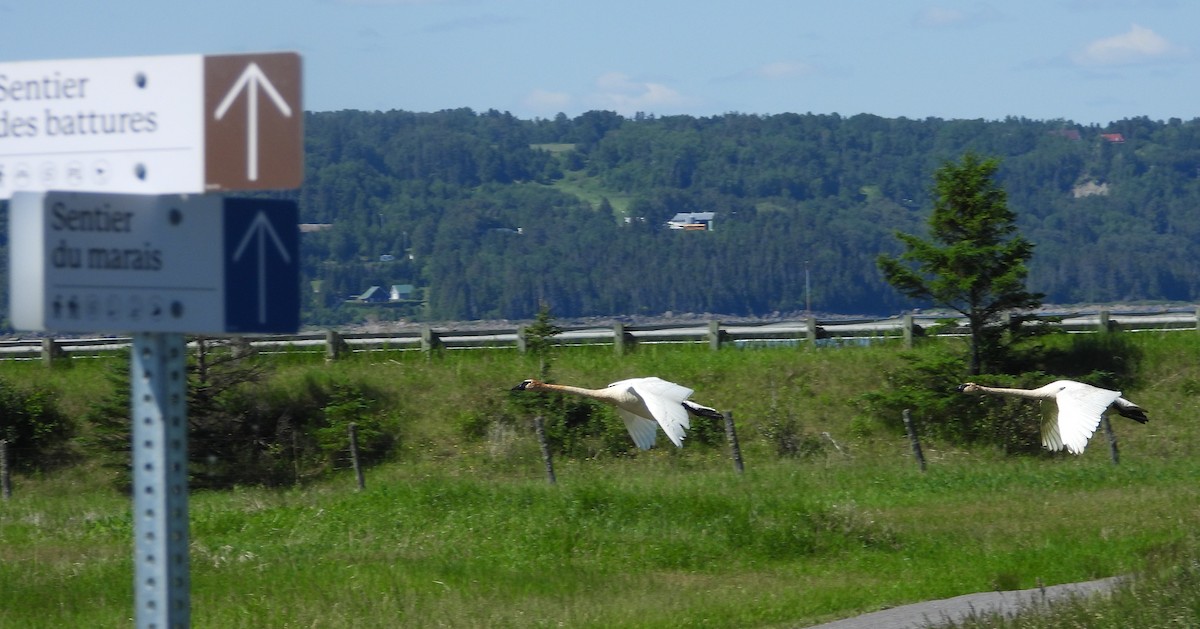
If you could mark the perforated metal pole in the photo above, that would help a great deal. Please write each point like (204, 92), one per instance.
(160, 512)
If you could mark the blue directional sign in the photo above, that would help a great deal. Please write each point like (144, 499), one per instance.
(262, 266)
(94, 262)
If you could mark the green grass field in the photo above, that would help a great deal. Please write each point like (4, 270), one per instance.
(469, 534)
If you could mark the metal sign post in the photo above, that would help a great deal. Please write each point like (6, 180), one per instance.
(160, 502)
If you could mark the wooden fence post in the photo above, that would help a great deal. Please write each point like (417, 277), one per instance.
(734, 448)
(908, 330)
(51, 351)
(522, 339)
(916, 442)
(539, 427)
(1112, 441)
(622, 340)
(5, 476)
(1104, 325)
(358, 471)
(335, 345)
(810, 331)
(714, 335)
(429, 340)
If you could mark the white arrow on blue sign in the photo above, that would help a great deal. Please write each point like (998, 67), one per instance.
(93, 262)
(267, 237)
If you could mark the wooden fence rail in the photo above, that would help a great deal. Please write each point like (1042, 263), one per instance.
(808, 332)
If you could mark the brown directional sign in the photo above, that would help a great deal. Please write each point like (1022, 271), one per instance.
(173, 124)
(254, 123)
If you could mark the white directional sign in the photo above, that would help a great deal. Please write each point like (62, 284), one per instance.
(91, 262)
(152, 125)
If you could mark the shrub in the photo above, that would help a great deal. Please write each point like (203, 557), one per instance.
(927, 386)
(37, 431)
(247, 427)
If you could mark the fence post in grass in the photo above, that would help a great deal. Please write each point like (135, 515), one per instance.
(908, 330)
(51, 351)
(622, 340)
(358, 472)
(522, 339)
(335, 346)
(912, 437)
(1104, 325)
(734, 448)
(714, 335)
(429, 340)
(810, 331)
(539, 427)
(1112, 441)
(5, 478)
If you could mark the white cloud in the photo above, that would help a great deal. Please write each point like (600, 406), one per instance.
(1139, 45)
(617, 91)
(547, 101)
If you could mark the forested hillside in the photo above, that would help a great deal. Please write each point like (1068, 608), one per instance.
(486, 214)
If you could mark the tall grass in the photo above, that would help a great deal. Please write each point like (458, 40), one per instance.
(460, 533)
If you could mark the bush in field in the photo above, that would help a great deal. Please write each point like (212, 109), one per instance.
(245, 427)
(783, 430)
(274, 433)
(353, 403)
(575, 427)
(37, 431)
(107, 418)
(927, 386)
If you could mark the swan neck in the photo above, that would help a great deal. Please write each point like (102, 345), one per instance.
(1025, 393)
(595, 394)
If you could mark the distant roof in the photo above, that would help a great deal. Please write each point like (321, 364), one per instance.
(692, 217)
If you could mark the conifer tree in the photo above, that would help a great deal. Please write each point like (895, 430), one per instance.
(974, 262)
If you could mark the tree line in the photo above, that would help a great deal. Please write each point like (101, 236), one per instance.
(491, 215)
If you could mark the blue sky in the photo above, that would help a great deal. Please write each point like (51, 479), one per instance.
(1088, 61)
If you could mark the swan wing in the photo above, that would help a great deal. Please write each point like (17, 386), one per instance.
(1080, 408)
(641, 429)
(657, 386)
(664, 401)
(671, 416)
(1051, 439)
(1130, 410)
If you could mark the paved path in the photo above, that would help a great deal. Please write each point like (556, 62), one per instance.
(932, 613)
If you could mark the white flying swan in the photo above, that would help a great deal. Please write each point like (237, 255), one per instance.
(642, 403)
(1071, 410)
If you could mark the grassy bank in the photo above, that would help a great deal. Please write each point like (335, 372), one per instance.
(468, 533)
